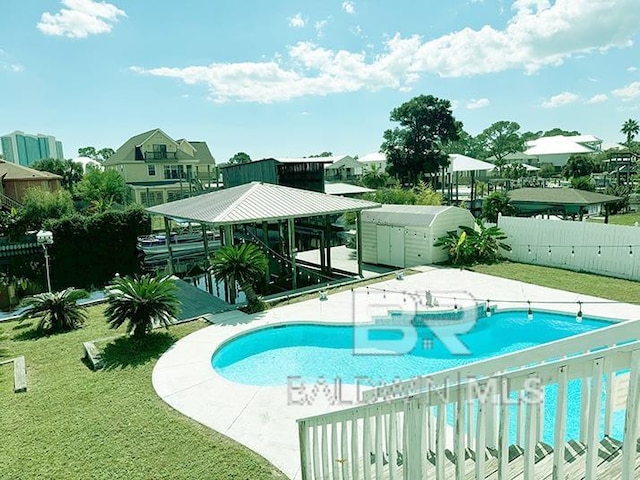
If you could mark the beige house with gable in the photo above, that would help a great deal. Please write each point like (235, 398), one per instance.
(159, 169)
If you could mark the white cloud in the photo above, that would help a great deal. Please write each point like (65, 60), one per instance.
(539, 34)
(80, 19)
(628, 92)
(16, 68)
(297, 21)
(632, 69)
(349, 7)
(319, 26)
(475, 104)
(564, 98)
(599, 98)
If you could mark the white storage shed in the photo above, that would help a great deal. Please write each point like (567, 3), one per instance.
(403, 235)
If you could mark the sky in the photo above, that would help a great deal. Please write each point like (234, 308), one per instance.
(294, 78)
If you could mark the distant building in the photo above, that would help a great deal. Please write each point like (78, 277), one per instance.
(159, 169)
(557, 149)
(304, 173)
(15, 180)
(24, 149)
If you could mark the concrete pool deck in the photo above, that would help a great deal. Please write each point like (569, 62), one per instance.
(264, 418)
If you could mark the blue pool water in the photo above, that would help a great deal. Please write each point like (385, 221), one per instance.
(308, 352)
(271, 355)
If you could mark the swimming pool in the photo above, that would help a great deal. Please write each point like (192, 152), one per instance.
(270, 356)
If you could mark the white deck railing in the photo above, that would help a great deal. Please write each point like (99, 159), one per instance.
(412, 436)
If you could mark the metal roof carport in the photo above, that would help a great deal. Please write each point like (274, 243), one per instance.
(259, 202)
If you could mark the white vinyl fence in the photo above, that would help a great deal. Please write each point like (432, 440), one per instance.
(612, 250)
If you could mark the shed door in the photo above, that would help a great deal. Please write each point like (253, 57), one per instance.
(396, 247)
(384, 250)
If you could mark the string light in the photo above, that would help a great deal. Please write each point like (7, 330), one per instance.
(488, 311)
(579, 314)
(455, 303)
(529, 249)
(599, 250)
(573, 251)
(549, 252)
(630, 251)
(529, 311)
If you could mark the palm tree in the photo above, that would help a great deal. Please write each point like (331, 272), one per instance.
(58, 311)
(145, 302)
(244, 264)
(630, 128)
(375, 177)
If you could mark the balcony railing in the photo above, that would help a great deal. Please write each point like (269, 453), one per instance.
(160, 155)
(464, 430)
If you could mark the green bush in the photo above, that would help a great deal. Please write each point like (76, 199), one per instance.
(89, 250)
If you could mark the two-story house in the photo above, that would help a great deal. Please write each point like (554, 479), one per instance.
(159, 169)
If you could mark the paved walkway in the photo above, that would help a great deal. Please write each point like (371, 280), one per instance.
(261, 417)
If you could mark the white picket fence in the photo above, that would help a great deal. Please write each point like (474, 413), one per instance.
(414, 435)
(612, 250)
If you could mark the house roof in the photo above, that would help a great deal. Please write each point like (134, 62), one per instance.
(12, 171)
(306, 160)
(257, 201)
(462, 163)
(406, 215)
(559, 196)
(560, 145)
(202, 152)
(126, 153)
(344, 189)
(373, 157)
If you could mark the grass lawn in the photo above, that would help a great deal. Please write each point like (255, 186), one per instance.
(73, 423)
(585, 283)
(622, 219)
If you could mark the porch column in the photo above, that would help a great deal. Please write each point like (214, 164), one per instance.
(167, 241)
(207, 260)
(227, 240)
(359, 241)
(265, 239)
(292, 253)
(327, 240)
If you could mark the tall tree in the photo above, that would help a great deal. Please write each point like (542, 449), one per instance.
(578, 166)
(105, 153)
(559, 131)
(105, 186)
(467, 145)
(89, 152)
(321, 155)
(238, 158)
(415, 148)
(501, 139)
(70, 171)
(630, 128)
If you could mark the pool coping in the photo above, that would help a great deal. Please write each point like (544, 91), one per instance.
(264, 418)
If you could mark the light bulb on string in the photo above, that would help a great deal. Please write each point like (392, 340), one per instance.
(599, 250)
(573, 251)
(529, 311)
(488, 310)
(579, 314)
(529, 249)
(630, 251)
(455, 303)
(549, 251)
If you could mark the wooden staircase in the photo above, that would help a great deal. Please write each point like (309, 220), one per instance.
(7, 203)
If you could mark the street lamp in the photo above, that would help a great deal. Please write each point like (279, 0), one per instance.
(44, 238)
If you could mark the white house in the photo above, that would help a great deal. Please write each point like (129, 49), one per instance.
(557, 149)
(375, 159)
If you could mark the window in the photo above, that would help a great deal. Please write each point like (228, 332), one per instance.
(159, 151)
(152, 170)
(172, 172)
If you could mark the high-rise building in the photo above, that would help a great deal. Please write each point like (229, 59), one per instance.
(24, 149)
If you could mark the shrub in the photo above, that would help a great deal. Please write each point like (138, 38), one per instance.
(58, 311)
